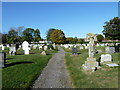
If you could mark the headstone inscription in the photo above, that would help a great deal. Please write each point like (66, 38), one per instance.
(2, 59)
(25, 47)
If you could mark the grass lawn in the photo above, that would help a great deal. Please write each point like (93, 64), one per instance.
(106, 77)
(22, 70)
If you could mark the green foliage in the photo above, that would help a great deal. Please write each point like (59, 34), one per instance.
(49, 32)
(12, 36)
(80, 41)
(58, 36)
(2, 38)
(100, 37)
(71, 40)
(37, 35)
(28, 34)
(112, 29)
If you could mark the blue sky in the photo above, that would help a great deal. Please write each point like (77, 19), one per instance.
(75, 19)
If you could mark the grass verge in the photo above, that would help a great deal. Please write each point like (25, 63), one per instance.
(106, 77)
(22, 70)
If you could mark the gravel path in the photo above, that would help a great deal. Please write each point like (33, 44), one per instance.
(54, 75)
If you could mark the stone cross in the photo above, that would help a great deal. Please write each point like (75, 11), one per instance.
(91, 38)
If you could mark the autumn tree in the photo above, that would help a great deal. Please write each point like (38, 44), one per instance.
(49, 32)
(112, 29)
(69, 40)
(100, 38)
(58, 36)
(80, 41)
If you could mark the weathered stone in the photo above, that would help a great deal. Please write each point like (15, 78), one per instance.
(110, 49)
(43, 53)
(2, 59)
(12, 50)
(81, 47)
(74, 51)
(89, 65)
(106, 58)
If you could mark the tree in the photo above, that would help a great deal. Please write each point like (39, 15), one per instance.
(69, 40)
(28, 34)
(37, 35)
(100, 37)
(2, 38)
(75, 40)
(49, 32)
(80, 41)
(112, 29)
(20, 30)
(58, 36)
(11, 37)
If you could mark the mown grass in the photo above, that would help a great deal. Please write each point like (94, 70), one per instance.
(106, 77)
(22, 70)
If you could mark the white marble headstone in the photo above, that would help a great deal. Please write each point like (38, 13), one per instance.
(25, 47)
(106, 58)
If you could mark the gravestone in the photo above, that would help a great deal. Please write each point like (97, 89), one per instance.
(3, 47)
(117, 49)
(54, 45)
(91, 64)
(110, 49)
(99, 51)
(25, 47)
(2, 59)
(106, 58)
(12, 49)
(40, 47)
(74, 51)
(43, 53)
(81, 47)
(45, 47)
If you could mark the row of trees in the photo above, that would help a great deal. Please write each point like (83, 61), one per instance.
(111, 32)
(58, 36)
(18, 35)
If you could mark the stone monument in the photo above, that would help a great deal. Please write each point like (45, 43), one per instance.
(12, 49)
(43, 53)
(74, 51)
(91, 62)
(2, 59)
(106, 58)
(25, 47)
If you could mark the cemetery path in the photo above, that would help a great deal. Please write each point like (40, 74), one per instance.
(55, 74)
